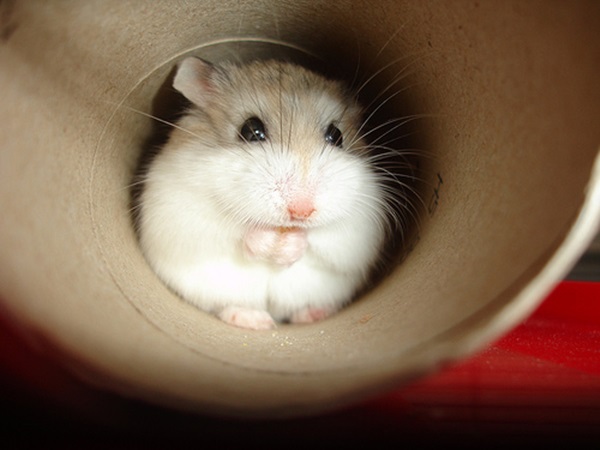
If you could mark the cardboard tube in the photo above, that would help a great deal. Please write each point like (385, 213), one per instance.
(510, 193)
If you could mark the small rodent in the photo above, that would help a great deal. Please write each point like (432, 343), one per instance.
(263, 205)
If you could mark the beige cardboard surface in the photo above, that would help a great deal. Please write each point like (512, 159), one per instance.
(513, 102)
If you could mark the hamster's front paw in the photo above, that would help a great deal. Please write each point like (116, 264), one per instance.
(291, 246)
(282, 246)
(254, 319)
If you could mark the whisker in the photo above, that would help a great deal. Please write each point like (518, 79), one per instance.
(374, 111)
(163, 121)
(397, 122)
(397, 76)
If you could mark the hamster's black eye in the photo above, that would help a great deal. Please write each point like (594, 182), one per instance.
(253, 130)
(333, 135)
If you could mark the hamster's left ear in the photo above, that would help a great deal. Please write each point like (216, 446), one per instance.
(194, 80)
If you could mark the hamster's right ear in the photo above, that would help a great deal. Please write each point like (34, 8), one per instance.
(194, 80)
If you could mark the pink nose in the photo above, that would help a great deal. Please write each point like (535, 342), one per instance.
(301, 208)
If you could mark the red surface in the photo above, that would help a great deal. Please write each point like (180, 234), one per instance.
(543, 377)
(541, 380)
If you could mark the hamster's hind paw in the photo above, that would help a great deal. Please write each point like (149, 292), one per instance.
(253, 319)
(311, 314)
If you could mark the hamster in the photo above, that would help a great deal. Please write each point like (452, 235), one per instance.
(263, 205)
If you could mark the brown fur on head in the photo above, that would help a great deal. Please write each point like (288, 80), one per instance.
(288, 98)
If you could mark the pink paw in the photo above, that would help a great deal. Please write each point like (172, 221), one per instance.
(282, 246)
(290, 247)
(310, 315)
(253, 319)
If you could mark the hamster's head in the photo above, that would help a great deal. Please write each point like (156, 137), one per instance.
(282, 145)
